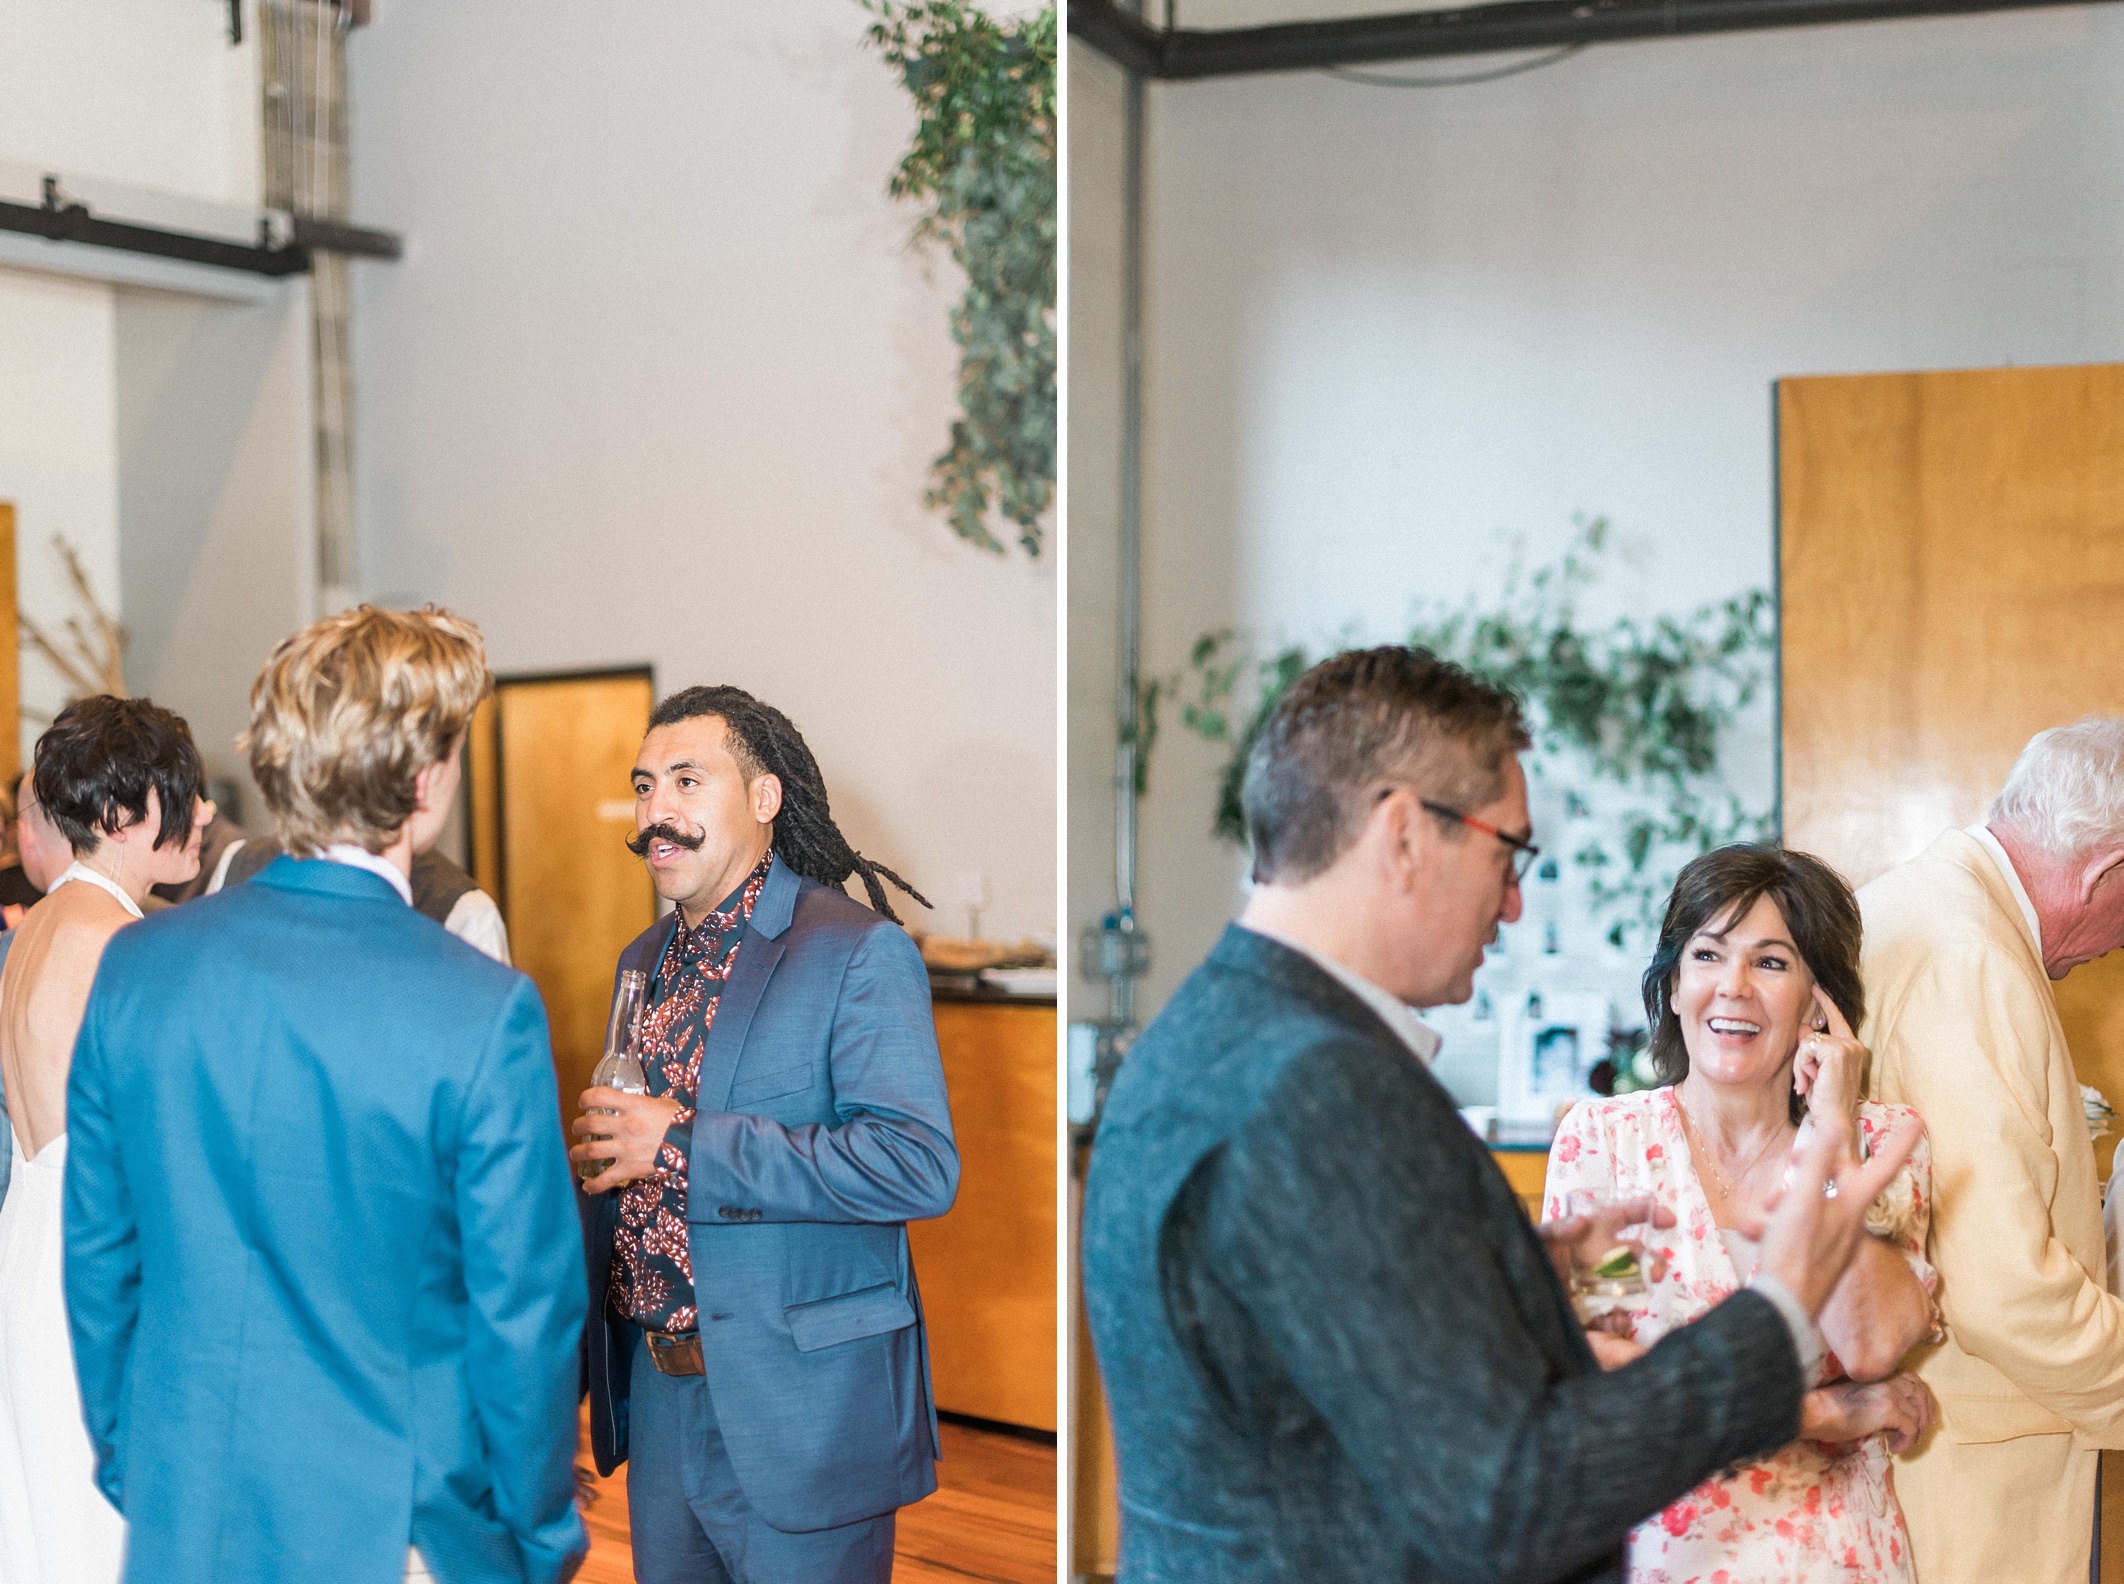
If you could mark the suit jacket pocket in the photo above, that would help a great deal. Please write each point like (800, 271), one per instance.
(830, 1321)
(770, 1086)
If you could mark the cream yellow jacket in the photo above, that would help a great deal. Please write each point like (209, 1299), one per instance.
(1963, 1026)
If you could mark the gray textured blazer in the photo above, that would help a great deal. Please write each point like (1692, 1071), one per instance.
(1333, 1346)
(823, 1128)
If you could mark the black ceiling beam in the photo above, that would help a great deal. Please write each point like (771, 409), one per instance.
(60, 219)
(1187, 54)
(331, 236)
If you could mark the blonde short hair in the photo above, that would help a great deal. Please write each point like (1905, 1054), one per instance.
(349, 710)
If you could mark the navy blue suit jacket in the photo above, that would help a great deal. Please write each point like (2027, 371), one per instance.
(823, 1128)
(322, 1267)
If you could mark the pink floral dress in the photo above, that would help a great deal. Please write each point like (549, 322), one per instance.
(1808, 1511)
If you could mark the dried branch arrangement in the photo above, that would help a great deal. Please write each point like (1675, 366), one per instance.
(92, 657)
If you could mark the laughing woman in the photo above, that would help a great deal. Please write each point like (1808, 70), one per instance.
(1752, 996)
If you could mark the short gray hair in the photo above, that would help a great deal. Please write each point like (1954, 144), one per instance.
(2065, 794)
(1365, 716)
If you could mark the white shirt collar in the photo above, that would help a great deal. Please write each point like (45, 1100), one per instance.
(1422, 1040)
(356, 857)
(1992, 845)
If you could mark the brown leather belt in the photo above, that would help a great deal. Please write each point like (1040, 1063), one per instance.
(675, 1354)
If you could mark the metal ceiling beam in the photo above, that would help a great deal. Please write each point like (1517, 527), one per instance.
(61, 219)
(1186, 54)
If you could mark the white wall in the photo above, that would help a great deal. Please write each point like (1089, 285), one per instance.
(58, 455)
(144, 109)
(145, 92)
(1390, 331)
(660, 380)
(216, 548)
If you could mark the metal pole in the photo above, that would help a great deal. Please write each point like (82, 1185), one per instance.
(1121, 1009)
(1116, 950)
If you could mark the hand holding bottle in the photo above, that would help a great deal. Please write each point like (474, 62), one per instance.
(618, 1073)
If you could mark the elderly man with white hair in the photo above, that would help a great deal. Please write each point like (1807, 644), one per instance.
(1962, 943)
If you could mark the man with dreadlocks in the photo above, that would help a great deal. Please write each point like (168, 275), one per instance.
(755, 1353)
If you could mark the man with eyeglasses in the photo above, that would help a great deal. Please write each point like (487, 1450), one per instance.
(1333, 1346)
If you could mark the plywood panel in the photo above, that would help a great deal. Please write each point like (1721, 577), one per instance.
(1528, 1173)
(1095, 1480)
(573, 896)
(483, 799)
(987, 1269)
(1951, 550)
(1951, 555)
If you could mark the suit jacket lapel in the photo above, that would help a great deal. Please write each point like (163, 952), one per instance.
(759, 950)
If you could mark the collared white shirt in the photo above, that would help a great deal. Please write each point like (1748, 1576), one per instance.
(475, 920)
(355, 857)
(1395, 1013)
(1999, 856)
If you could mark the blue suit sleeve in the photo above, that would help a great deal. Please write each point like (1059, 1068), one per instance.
(524, 1282)
(889, 1154)
(102, 1240)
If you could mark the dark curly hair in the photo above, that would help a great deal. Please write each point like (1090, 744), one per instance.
(763, 741)
(1713, 893)
(96, 763)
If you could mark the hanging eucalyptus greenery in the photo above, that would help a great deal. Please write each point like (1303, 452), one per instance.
(983, 164)
(1629, 717)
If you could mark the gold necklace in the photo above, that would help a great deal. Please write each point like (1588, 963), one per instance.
(1710, 1157)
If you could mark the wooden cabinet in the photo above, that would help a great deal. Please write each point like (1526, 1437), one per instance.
(1526, 1170)
(987, 1269)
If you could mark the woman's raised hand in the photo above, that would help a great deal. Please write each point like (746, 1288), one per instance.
(1831, 1064)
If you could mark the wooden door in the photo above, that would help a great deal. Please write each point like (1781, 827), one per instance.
(1951, 561)
(1951, 556)
(551, 805)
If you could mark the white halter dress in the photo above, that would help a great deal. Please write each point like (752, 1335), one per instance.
(55, 1526)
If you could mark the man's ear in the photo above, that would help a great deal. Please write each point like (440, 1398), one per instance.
(1396, 823)
(424, 783)
(2105, 866)
(766, 790)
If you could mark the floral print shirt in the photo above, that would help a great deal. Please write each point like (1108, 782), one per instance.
(1808, 1511)
(652, 1263)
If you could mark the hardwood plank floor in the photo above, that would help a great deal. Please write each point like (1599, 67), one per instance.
(992, 1518)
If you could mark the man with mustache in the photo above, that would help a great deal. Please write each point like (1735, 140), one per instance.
(755, 1351)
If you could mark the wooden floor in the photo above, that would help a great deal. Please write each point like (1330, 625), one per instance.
(993, 1517)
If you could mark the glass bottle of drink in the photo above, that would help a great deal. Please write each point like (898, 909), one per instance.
(620, 1068)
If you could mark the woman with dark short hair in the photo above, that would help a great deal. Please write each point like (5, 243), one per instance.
(121, 781)
(1752, 996)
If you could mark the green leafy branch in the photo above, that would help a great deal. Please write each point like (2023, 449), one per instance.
(983, 164)
(1638, 706)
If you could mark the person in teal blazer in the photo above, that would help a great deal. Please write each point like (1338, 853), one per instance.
(323, 1267)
